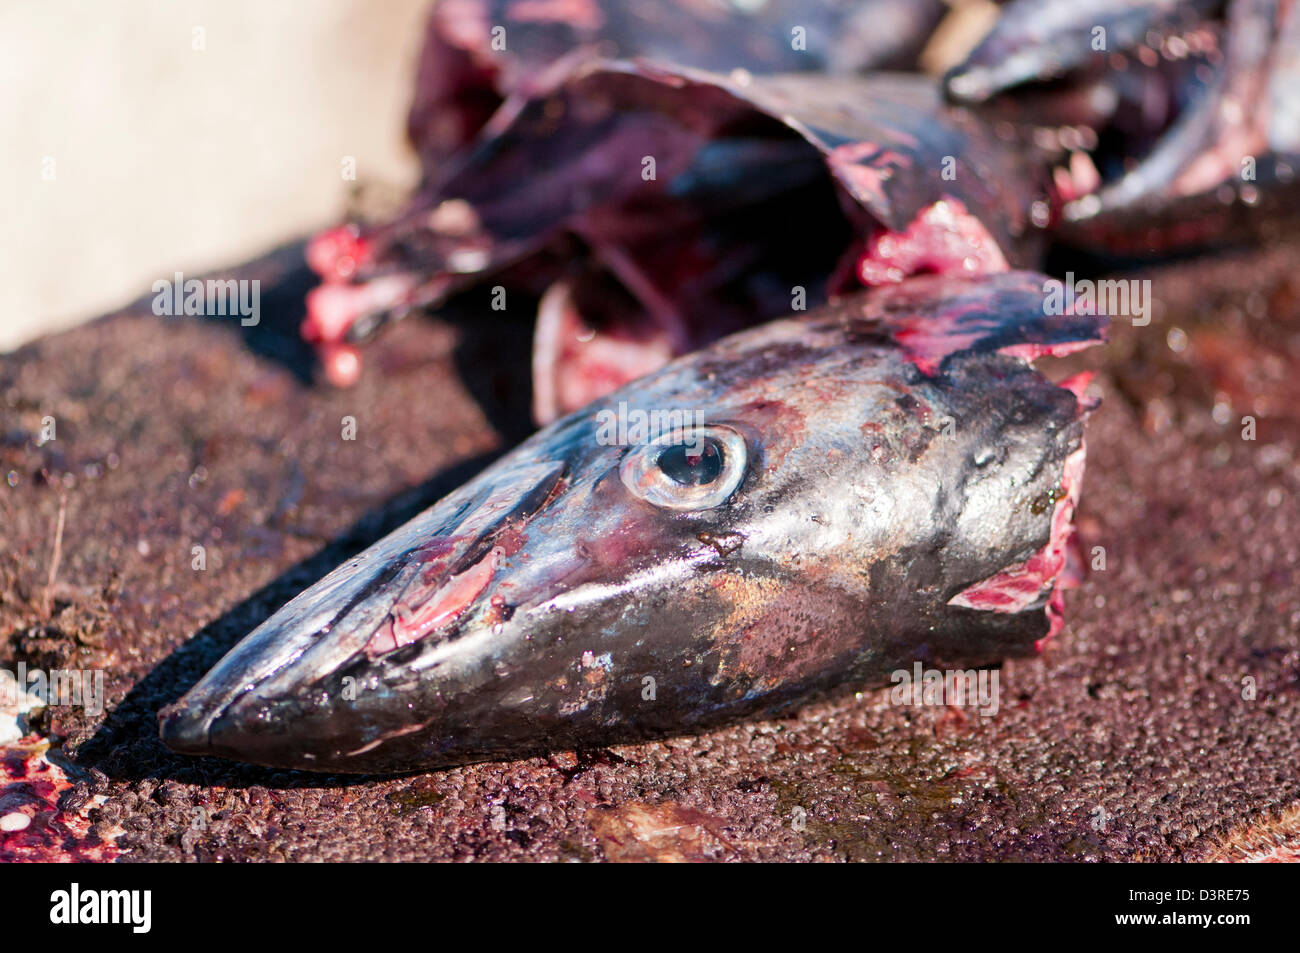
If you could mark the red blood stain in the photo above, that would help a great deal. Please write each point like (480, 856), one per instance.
(944, 239)
(30, 786)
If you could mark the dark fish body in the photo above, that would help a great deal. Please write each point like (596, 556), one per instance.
(1129, 126)
(1196, 133)
(478, 52)
(1124, 129)
(766, 184)
(830, 498)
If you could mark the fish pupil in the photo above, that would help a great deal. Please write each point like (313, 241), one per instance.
(692, 466)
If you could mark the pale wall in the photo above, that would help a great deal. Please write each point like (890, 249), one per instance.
(167, 157)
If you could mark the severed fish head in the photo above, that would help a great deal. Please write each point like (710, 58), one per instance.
(804, 505)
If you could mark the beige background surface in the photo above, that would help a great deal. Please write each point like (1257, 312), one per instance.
(167, 157)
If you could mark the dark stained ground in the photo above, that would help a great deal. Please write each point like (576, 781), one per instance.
(1128, 739)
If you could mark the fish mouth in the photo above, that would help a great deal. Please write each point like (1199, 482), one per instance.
(420, 583)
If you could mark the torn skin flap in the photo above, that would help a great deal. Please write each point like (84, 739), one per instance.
(1020, 586)
(934, 317)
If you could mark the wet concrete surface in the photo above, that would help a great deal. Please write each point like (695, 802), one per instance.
(1163, 723)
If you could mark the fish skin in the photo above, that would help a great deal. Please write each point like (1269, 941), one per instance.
(882, 140)
(463, 75)
(860, 517)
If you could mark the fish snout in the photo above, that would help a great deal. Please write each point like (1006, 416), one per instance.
(329, 675)
(184, 728)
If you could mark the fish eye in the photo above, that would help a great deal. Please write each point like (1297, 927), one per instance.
(693, 468)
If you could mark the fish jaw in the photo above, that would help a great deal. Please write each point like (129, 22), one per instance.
(878, 459)
(325, 660)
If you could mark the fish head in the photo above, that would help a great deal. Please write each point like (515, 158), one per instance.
(790, 508)
(1135, 106)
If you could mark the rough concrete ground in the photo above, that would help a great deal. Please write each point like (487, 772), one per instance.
(1128, 739)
